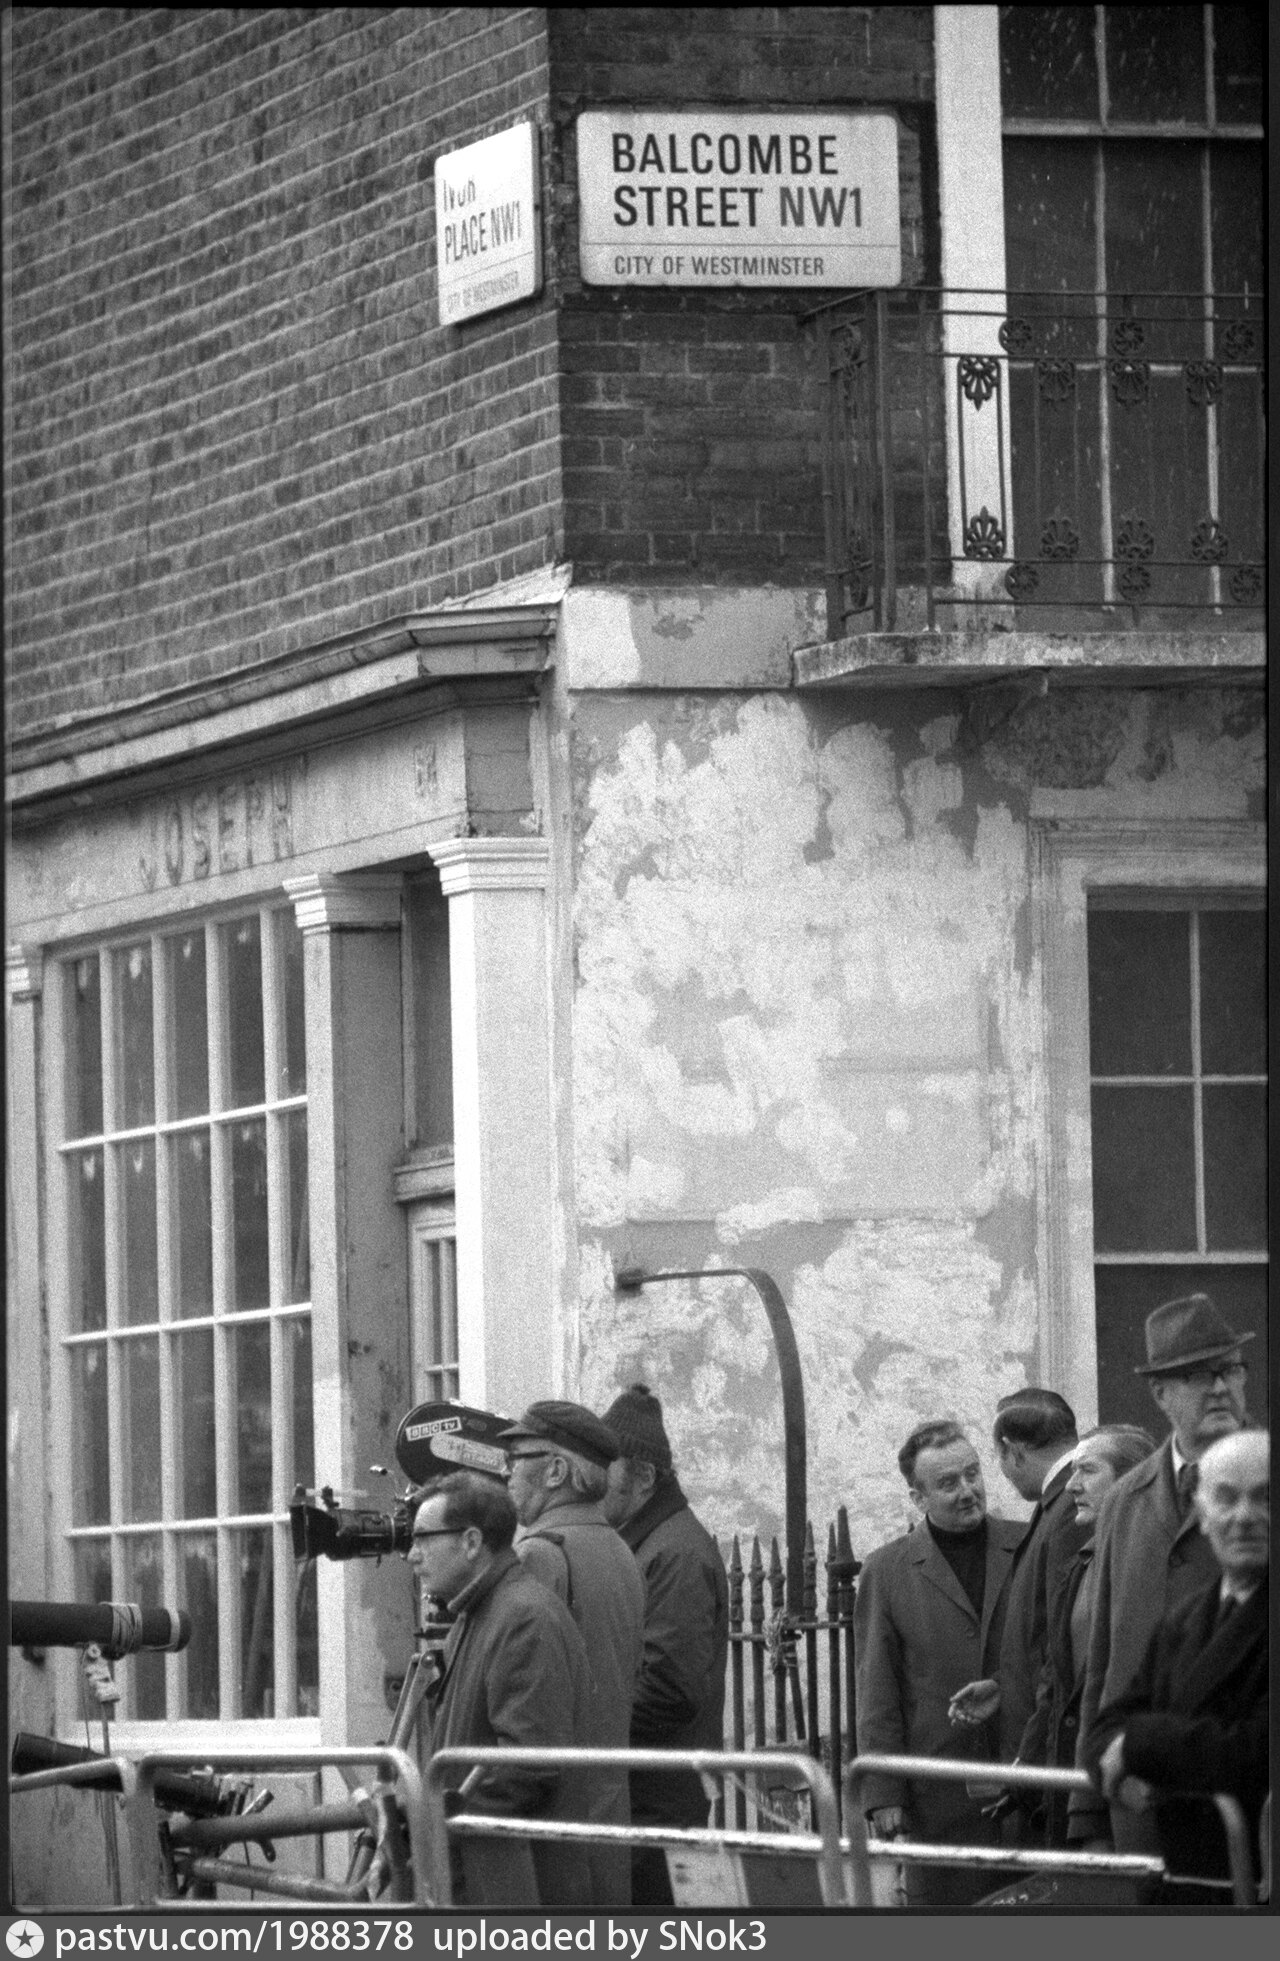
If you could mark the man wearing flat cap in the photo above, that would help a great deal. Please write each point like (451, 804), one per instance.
(1149, 1552)
(558, 1456)
(679, 1701)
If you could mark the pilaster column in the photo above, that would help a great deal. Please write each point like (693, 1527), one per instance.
(502, 1116)
(359, 1282)
(28, 1553)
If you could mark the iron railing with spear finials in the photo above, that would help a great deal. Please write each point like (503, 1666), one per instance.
(791, 1677)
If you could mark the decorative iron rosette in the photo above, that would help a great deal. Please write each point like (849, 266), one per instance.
(1135, 539)
(1134, 583)
(1056, 380)
(1059, 539)
(1204, 383)
(1015, 335)
(1021, 580)
(1209, 542)
(984, 536)
(979, 377)
(1246, 585)
(1130, 382)
(1127, 337)
(1239, 340)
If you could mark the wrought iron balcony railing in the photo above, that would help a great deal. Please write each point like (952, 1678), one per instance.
(1097, 452)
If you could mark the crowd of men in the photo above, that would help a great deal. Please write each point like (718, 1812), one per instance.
(1123, 1628)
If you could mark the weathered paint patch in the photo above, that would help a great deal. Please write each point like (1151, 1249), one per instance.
(704, 636)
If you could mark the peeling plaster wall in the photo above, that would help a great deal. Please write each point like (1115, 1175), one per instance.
(807, 1036)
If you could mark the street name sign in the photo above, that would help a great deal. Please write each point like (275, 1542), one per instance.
(488, 231)
(739, 198)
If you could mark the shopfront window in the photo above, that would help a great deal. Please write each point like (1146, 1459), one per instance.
(183, 1222)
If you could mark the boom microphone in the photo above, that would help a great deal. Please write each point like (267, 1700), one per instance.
(119, 1627)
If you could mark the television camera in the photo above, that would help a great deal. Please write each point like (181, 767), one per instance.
(433, 1439)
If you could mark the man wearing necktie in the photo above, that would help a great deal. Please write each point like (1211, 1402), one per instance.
(1195, 1718)
(1150, 1554)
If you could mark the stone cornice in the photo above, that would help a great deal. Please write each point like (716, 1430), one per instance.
(361, 902)
(396, 656)
(490, 864)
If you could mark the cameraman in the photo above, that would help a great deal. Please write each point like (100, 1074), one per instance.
(515, 1673)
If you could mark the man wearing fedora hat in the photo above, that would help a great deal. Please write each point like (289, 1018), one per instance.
(1150, 1553)
(558, 1456)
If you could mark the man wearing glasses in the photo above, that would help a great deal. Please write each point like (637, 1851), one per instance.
(559, 1455)
(1150, 1553)
(515, 1673)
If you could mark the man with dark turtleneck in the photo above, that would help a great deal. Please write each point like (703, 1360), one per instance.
(928, 1617)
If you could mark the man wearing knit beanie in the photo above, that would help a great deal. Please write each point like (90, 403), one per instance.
(679, 1701)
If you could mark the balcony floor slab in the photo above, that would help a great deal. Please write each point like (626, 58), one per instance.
(964, 658)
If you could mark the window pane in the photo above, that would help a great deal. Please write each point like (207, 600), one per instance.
(189, 1186)
(198, 1567)
(293, 1076)
(139, 1296)
(1155, 64)
(194, 1421)
(90, 1470)
(143, 1584)
(1155, 234)
(1126, 1295)
(250, 1278)
(140, 1426)
(307, 1636)
(1050, 207)
(84, 1088)
(297, 1279)
(91, 1565)
(1048, 62)
(86, 1250)
(1238, 42)
(1233, 993)
(244, 1012)
(1235, 191)
(1235, 1167)
(1143, 1170)
(252, 1557)
(136, 1089)
(1139, 993)
(188, 1025)
(251, 1373)
(297, 1345)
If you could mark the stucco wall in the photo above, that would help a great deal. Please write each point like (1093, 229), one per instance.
(807, 1036)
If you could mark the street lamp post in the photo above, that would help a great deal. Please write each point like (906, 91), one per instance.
(631, 1279)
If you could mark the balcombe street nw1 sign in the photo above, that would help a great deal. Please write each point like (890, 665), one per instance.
(487, 228)
(739, 198)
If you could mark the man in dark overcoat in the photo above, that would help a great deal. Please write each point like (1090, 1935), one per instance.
(928, 1619)
(679, 1701)
(1196, 1716)
(558, 1456)
(1149, 1551)
(515, 1672)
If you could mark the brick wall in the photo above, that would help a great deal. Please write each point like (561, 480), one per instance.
(234, 427)
(691, 419)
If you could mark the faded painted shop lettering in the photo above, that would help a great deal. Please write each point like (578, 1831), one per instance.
(224, 827)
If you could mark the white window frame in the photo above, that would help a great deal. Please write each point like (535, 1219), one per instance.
(131, 1731)
(1072, 858)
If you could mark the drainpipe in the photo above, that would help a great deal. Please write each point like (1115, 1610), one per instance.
(796, 1505)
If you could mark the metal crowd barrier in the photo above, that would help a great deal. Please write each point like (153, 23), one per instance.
(822, 1846)
(414, 1880)
(1003, 1859)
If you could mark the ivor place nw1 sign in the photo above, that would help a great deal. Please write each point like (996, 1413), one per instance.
(739, 198)
(488, 235)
